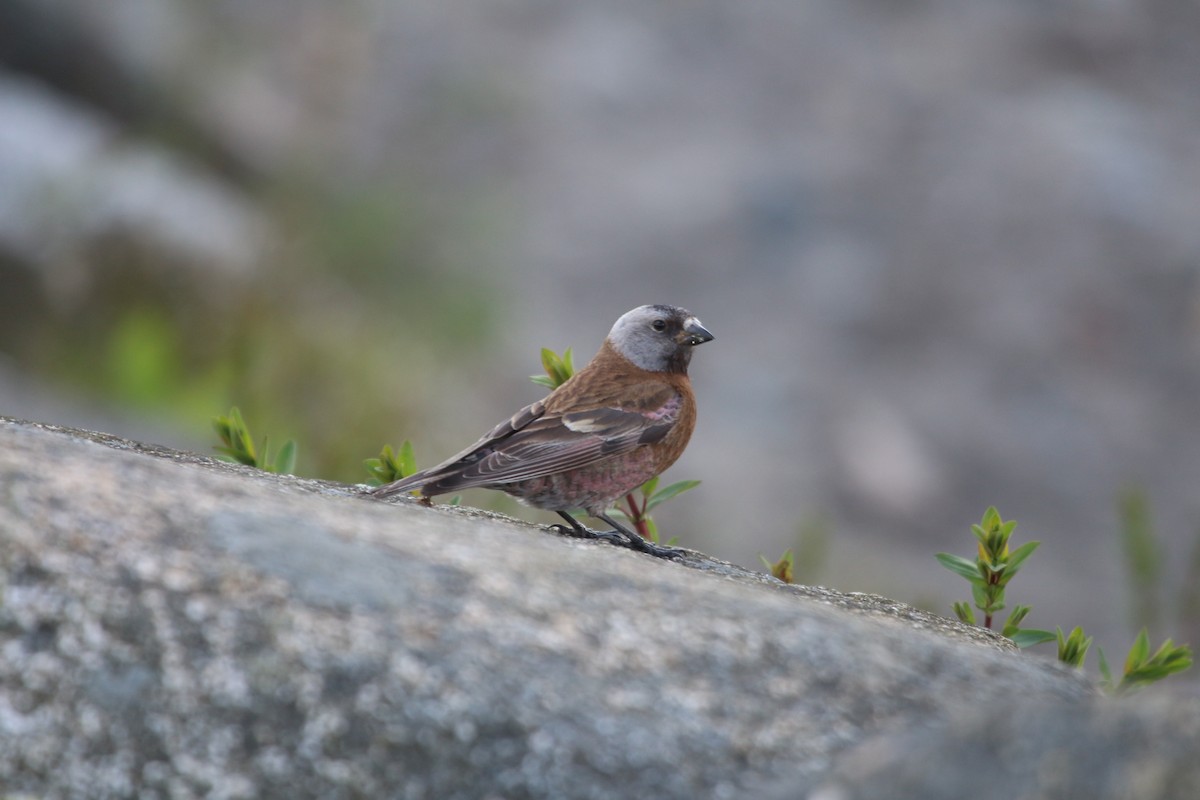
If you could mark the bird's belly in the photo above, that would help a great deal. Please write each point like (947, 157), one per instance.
(594, 487)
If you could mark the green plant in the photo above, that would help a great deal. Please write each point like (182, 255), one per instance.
(639, 503)
(558, 368)
(783, 569)
(238, 445)
(392, 465)
(637, 509)
(1143, 668)
(989, 575)
(1073, 649)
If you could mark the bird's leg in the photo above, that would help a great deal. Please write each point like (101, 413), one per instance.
(619, 535)
(581, 532)
(640, 543)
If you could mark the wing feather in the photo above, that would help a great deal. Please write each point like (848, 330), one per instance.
(534, 443)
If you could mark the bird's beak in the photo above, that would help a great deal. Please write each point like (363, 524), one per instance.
(694, 333)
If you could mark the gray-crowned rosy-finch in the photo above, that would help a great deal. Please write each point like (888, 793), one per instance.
(616, 423)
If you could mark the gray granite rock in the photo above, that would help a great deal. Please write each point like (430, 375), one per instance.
(174, 626)
(971, 224)
(1141, 747)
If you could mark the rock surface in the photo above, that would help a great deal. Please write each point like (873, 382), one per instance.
(970, 224)
(174, 626)
(1135, 748)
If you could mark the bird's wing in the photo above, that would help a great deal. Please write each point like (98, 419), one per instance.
(548, 444)
(561, 443)
(505, 429)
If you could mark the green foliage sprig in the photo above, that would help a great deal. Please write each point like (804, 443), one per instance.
(784, 568)
(989, 575)
(392, 465)
(237, 445)
(639, 503)
(558, 368)
(1073, 648)
(1142, 668)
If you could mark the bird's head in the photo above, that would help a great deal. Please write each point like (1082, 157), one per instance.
(658, 338)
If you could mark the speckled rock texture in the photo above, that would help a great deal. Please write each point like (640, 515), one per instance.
(175, 627)
(1139, 748)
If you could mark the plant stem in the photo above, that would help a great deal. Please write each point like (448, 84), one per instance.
(637, 516)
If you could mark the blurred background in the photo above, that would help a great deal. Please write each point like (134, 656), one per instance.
(950, 250)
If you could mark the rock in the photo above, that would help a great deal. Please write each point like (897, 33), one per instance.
(175, 626)
(1143, 748)
(971, 224)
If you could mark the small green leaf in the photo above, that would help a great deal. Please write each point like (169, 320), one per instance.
(783, 569)
(1028, 637)
(964, 613)
(406, 459)
(1105, 672)
(236, 441)
(651, 528)
(549, 360)
(1013, 623)
(649, 486)
(1019, 555)
(959, 566)
(673, 490)
(558, 369)
(285, 462)
(1139, 651)
(979, 593)
(374, 467)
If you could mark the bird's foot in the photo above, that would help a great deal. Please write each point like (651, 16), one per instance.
(620, 538)
(655, 549)
(580, 532)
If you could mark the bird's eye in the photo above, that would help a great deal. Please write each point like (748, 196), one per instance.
(659, 325)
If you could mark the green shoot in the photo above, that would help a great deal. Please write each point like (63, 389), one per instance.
(237, 445)
(989, 575)
(995, 565)
(783, 569)
(1073, 649)
(392, 465)
(558, 369)
(1142, 668)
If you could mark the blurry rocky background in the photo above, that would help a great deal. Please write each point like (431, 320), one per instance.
(950, 250)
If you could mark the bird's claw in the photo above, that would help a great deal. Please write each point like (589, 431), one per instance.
(612, 537)
(653, 548)
(619, 539)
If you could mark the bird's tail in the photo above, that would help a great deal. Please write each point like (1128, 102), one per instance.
(418, 480)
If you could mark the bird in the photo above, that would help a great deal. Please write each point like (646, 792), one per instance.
(622, 419)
